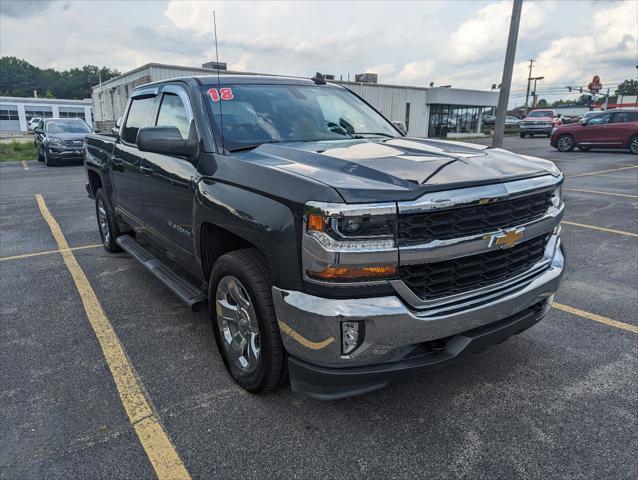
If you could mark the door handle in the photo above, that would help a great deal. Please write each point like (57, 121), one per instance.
(147, 170)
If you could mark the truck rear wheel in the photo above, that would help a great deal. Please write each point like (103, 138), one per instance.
(244, 321)
(106, 222)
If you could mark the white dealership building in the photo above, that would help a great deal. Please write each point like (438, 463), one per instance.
(425, 111)
(15, 112)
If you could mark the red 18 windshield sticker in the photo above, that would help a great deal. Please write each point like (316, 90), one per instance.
(224, 93)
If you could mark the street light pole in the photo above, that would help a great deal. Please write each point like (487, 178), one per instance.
(508, 67)
(529, 81)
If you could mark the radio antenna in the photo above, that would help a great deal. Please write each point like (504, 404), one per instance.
(221, 116)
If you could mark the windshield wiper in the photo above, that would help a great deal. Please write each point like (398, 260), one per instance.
(378, 134)
(241, 148)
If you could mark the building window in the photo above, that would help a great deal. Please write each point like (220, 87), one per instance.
(446, 119)
(37, 113)
(9, 115)
(72, 115)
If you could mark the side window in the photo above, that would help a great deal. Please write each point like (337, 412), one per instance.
(172, 113)
(625, 117)
(139, 116)
(600, 119)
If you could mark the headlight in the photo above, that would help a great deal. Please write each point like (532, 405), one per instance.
(557, 196)
(349, 243)
(359, 227)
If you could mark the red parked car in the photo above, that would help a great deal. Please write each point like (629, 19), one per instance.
(616, 128)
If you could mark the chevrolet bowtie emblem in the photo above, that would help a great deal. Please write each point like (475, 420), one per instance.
(506, 238)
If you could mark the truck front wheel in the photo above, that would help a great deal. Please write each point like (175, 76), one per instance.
(244, 321)
(106, 222)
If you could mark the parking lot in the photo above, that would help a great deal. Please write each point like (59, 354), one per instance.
(558, 401)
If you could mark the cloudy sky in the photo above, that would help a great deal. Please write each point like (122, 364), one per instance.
(461, 43)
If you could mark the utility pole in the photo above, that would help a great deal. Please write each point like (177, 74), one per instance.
(508, 67)
(529, 81)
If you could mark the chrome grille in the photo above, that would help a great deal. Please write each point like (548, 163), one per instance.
(458, 275)
(73, 143)
(424, 227)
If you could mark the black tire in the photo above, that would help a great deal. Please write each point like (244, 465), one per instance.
(47, 162)
(108, 241)
(633, 144)
(565, 143)
(249, 268)
(522, 135)
(549, 135)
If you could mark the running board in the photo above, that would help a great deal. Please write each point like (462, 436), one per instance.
(192, 296)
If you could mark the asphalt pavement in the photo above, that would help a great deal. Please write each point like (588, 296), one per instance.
(558, 401)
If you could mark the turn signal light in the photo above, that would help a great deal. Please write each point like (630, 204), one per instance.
(315, 222)
(346, 273)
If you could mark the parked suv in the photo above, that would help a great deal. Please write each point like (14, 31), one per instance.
(59, 140)
(539, 122)
(616, 128)
(332, 249)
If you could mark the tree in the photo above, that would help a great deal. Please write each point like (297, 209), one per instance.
(628, 87)
(542, 103)
(18, 78)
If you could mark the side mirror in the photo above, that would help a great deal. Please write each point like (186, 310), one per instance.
(38, 130)
(118, 122)
(583, 121)
(165, 140)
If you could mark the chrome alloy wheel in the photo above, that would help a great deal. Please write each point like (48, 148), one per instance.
(103, 222)
(634, 145)
(565, 143)
(237, 323)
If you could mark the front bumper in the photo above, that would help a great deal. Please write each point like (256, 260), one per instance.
(311, 331)
(534, 129)
(63, 155)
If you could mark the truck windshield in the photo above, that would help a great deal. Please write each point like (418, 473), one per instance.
(540, 113)
(254, 114)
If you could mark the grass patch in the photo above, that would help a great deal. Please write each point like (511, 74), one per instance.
(16, 151)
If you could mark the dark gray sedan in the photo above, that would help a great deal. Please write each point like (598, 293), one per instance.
(60, 140)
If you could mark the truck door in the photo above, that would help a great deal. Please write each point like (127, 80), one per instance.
(127, 159)
(167, 181)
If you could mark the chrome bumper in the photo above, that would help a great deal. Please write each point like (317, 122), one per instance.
(311, 326)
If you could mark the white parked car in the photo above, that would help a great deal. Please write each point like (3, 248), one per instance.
(33, 123)
(511, 121)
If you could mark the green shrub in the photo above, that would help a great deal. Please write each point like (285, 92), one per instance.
(16, 151)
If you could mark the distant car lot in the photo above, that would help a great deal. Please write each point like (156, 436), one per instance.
(568, 412)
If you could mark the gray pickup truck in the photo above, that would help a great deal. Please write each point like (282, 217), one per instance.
(333, 251)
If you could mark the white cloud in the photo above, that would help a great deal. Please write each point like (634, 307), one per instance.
(243, 64)
(574, 59)
(414, 72)
(486, 33)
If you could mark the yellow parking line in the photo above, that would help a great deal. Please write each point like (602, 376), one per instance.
(25, 166)
(602, 229)
(596, 318)
(47, 252)
(601, 193)
(152, 436)
(601, 171)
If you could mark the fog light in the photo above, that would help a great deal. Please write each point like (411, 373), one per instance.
(351, 336)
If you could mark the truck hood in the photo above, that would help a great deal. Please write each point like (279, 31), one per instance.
(399, 168)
